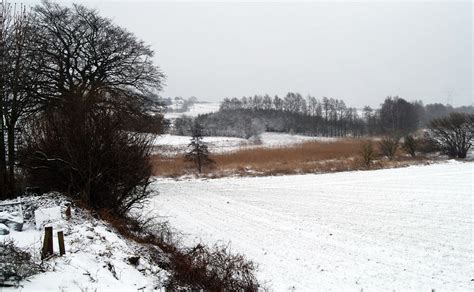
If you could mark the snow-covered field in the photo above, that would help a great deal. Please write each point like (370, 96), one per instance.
(172, 144)
(195, 110)
(394, 229)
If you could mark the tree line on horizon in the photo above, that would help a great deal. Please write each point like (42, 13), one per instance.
(250, 116)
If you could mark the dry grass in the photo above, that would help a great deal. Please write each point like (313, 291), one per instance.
(169, 166)
(300, 158)
(309, 157)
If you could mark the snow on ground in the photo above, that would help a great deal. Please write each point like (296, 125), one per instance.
(195, 110)
(172, 144)
(183, 141)
(281, 139)
(394, 229)
(96, 257)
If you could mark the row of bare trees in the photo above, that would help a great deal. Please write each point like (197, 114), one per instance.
(15, 87)
(77, 94)
(331, 117)
(452, 135)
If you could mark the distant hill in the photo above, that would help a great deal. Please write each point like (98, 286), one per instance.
(191, 107)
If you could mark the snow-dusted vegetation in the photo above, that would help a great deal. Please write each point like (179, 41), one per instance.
(97, 257)
(107, 183)
(398, 229)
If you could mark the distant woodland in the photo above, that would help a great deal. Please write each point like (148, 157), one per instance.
(249, 116)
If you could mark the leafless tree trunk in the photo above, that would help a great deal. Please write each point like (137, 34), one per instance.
(3, 162)
(16, 83)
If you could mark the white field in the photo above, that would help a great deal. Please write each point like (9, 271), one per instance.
(394, 229)
(173, 145)
(204, 107)
(195, 110)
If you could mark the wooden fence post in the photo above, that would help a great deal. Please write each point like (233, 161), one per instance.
(68, 212)
(62, 250)
(47, 243)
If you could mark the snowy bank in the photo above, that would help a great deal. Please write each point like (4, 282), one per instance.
(96, 259)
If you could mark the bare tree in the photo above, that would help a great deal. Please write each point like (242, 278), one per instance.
(17, 83)
(80, 54)
(427, 145)
(3, 161)
(410, 145)
(399, 116)
(368, 153)
(96, 89)
(389, 145)
(453, 134)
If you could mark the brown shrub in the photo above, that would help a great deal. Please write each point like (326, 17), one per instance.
(410, 145)
(368, 153)
(212, 269)
(200, 267)
(388, 146)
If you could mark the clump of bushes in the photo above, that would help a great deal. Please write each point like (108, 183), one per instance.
(86, 154)
(212, 269)
(388, 146)
(410, 145)
(427, 145)
(15, 264)
(453, 134)
(368, 153)
(201, 267)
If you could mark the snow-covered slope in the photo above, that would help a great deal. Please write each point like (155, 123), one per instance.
(97, 258)
(395, 229)
(196, 109)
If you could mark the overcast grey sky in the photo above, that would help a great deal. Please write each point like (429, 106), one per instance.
(358, 51)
